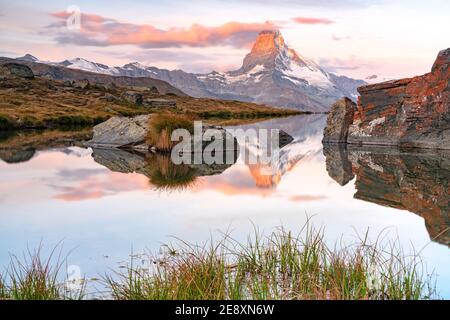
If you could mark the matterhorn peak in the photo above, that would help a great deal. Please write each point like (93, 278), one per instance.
(270, 51)
(268, 41)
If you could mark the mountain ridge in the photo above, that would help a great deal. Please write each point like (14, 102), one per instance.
(272, 74)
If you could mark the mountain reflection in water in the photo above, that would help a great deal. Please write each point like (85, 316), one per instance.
(413, 180)
(416, 181)
(103, 202)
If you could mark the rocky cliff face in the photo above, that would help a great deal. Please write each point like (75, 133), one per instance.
(339, 120)
(409, 112)
(413, 181)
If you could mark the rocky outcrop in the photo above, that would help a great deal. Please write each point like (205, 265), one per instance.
(338, 121)
(16, 70)
(410, 112)
(80, 84)
(133, 97)
(160, 103)
(405, 180)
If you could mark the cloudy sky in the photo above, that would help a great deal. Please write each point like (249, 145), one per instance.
(358, 38)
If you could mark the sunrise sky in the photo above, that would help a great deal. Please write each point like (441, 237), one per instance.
(357, 38)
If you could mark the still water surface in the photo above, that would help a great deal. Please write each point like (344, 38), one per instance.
(104, 204)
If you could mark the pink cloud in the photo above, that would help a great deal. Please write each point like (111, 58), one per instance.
(309, 20)
(99, 186)
(100, 31)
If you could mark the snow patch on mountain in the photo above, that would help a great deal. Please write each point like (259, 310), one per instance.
(272, 73)
(85, 65)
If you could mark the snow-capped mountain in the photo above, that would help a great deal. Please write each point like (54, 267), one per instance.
(29, 58)
(85, 65)
(272, 74)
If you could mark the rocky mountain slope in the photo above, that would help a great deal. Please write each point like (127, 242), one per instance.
(272, 73)
(30, 97)
(61, 71)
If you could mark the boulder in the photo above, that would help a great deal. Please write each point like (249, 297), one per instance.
(339, 119)
(107, 86)
(160, 103)
(133, 97)
(120, 132)
(81, 84)
(17, 70)
(109, 97)
(154, 91)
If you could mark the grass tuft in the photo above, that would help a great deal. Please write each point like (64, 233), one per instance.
(35, 277)
(167, 176)
(161, 127)
(279, 266)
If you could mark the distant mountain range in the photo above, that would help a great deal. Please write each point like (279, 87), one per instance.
(272, 74)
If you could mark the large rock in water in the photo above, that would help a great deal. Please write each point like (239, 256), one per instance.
(339, 119)
(121, 132)
(410, 112)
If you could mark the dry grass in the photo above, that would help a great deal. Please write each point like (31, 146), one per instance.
(280, 266)
(161, 127)
(44, 103)
(40, 139)
(214, 109)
